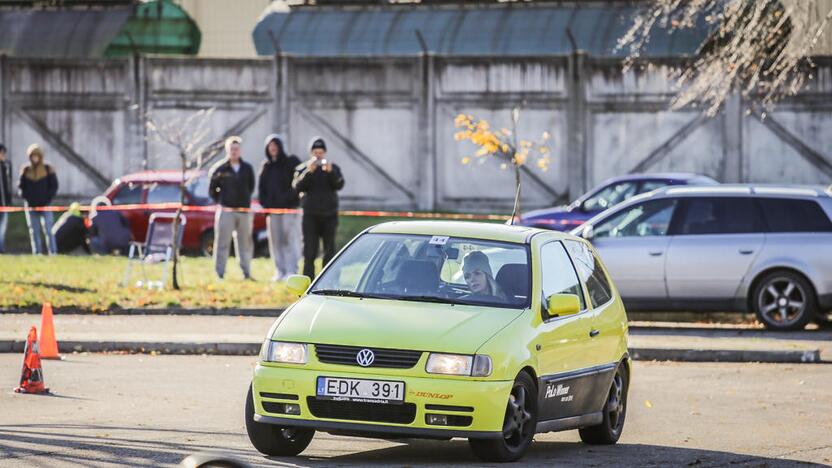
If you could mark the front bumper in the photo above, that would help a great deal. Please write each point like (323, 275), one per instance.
(483, 401)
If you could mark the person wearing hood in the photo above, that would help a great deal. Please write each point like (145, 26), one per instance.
(5, 194)
(318, 181)
(275, 190)
(38, 185)
(231, 186)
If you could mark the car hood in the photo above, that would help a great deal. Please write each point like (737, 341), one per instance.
(399, 324)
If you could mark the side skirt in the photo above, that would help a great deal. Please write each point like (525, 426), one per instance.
(565, 424)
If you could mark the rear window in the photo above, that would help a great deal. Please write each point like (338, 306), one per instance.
(728, 215)
(789, 215)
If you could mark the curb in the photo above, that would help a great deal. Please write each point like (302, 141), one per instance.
(726, 355)
(252, 349)
(143, 347)
(167, 311)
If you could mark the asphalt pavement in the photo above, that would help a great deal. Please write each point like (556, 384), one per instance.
(144, 410)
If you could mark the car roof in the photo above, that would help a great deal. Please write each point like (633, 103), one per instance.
(163, 176)
(657, 175)
(762, 190)
(471, 229)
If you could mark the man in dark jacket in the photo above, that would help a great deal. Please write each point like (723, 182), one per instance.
(275, 191)
(232, 182)
(318, 182)
(5, 194)
(38, 185)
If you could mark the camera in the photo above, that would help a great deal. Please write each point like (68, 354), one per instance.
(322, 162)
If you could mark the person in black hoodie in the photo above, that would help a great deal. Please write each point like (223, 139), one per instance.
(275, 191)
(232, 182)
(5, 194)
(38, 185)
(318, 182)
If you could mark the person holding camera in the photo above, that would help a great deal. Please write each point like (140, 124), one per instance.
(318, 182)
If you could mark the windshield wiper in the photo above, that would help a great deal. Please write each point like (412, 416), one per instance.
(345, 293)
(439, 300)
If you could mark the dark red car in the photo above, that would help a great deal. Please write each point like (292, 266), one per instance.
(150, 187)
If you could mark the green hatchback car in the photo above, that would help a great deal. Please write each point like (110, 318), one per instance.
(442, 329)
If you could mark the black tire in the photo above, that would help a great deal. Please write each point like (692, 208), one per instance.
(783, 300)
(206, 243)
(273, 440)
(518, 428)
(615, 410)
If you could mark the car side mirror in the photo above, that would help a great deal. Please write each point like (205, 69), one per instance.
(298, 284)
(561, 305)
(588, 232)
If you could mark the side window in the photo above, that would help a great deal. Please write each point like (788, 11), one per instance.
(791, 215)
(163, 193)
(557, 273)
(128, 194)
(591, 273)
(651, 218)
(651, 185)
(727, 215)
(609, 196)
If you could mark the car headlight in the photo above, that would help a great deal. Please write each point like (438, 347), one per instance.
(459, 364)
(280, 351)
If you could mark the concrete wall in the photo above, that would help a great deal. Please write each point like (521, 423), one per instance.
(389, 122)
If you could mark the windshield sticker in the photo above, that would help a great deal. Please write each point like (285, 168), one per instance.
(439, 240)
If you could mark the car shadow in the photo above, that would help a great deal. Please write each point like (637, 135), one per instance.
(543, 453)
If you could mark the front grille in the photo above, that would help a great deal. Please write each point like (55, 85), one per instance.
(404, 413)
(345, 355)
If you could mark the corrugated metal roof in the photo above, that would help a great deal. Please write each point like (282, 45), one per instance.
(60, 33)
(533, 30)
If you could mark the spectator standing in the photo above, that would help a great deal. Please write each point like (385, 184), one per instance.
(275, 190)
(318, 182)
(231, 186)
(5, 194)
(38, 185)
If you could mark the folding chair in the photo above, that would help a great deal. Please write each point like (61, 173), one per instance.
(157, 247)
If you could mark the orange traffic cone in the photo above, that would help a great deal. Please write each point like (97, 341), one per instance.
(48, 343)
(31, 377)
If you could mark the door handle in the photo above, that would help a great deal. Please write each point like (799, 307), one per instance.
(746, 251)
(655, 253)
(594, 333)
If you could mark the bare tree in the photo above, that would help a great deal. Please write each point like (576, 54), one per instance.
(188, 135)
(760, 48)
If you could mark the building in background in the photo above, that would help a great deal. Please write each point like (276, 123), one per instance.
(226, 25)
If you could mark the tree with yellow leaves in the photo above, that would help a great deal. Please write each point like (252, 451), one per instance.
(504, 145)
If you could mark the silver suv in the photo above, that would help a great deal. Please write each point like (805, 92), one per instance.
(728, 247)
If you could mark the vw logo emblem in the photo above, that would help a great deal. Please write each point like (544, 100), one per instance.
(365, 357)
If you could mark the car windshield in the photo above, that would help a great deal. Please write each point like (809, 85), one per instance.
(199, 190)
(610, 195)
(430, 269)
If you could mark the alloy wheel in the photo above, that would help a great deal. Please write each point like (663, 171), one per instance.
(516, 427)
(782, 301)
(615, 402)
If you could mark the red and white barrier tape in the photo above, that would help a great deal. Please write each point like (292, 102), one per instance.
(213, 208)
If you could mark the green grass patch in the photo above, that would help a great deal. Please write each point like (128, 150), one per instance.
(93, 282)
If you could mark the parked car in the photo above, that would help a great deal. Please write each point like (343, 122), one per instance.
(610, 193)
(729, 247)
(389, 342)
(151, 187)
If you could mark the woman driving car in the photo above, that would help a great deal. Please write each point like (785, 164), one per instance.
(481, 284)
